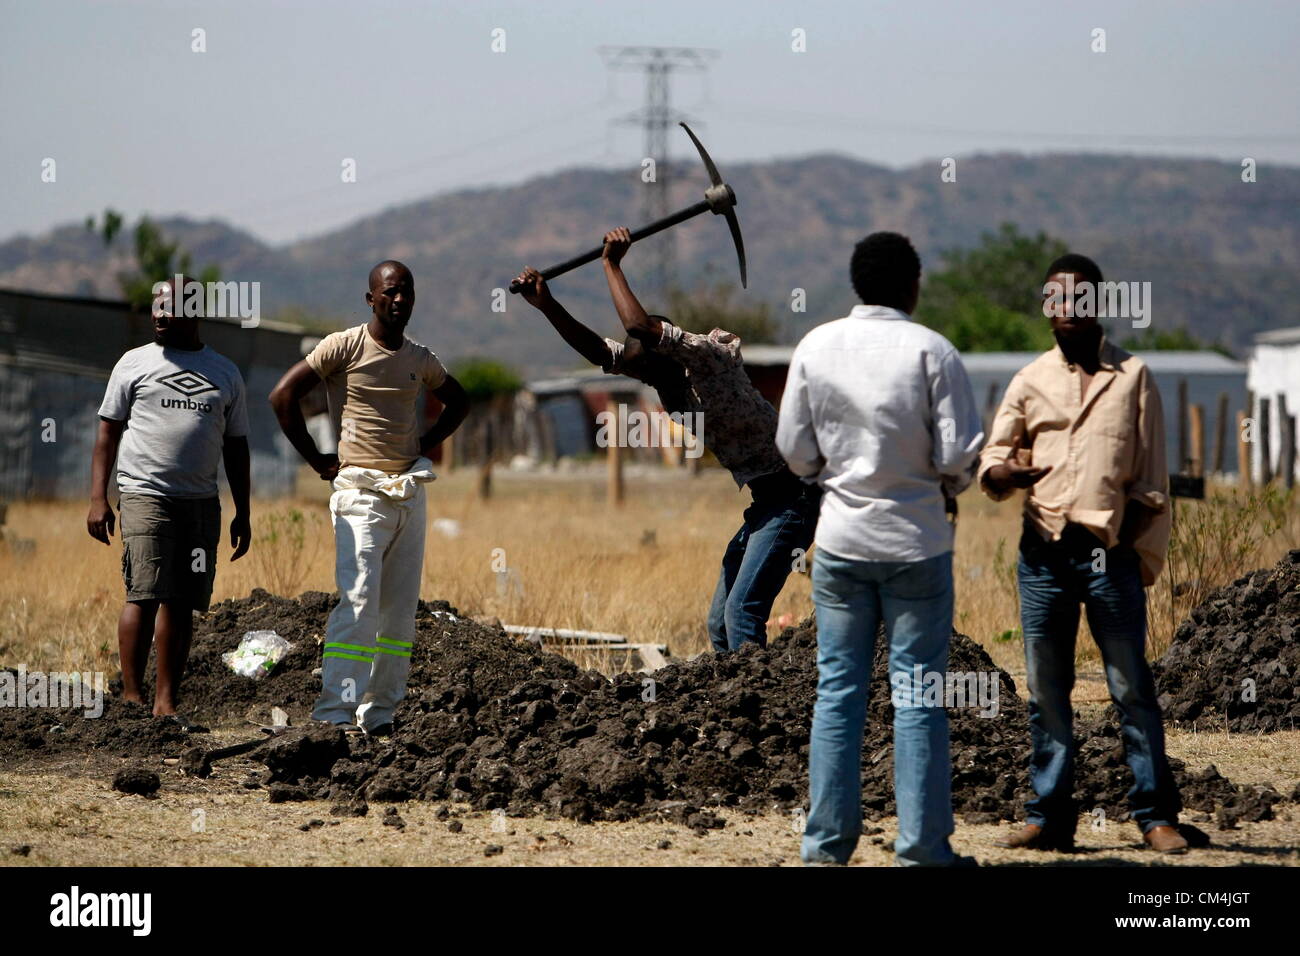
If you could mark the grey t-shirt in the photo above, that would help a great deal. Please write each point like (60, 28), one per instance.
(179, 407)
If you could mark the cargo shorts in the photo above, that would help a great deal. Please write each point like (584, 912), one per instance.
(169, 548)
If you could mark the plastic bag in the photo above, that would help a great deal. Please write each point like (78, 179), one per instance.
(257, 654)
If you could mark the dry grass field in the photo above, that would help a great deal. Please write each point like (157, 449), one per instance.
(646, 570)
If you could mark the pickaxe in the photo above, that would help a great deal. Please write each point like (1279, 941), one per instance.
(719, 199)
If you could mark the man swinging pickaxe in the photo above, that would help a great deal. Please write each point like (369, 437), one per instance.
(702, 378)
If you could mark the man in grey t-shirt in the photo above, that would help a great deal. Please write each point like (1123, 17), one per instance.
(172, 410)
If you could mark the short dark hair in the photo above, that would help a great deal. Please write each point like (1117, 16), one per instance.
(884, 269)
(1073, 262)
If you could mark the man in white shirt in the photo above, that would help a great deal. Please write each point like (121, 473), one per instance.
(879, 409)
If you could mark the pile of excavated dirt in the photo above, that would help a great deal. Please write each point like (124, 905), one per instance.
(453, 652)
(1237, 658)
(499, 723)
(505, 726)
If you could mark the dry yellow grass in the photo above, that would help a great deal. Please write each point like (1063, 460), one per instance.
(646, 569)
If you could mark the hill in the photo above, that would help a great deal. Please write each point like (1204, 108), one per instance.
(1223, 256)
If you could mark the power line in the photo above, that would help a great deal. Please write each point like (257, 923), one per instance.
(656, 117)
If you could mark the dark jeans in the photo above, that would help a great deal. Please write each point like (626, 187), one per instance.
(781, 521)
(1055, 578)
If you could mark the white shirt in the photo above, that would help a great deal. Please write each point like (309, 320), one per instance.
(880, 410)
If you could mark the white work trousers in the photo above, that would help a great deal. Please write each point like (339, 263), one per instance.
(379, 544)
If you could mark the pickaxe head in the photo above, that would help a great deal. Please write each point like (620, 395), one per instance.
(719, 199)
(722, 202)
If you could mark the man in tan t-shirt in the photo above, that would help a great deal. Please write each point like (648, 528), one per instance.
(374, 377)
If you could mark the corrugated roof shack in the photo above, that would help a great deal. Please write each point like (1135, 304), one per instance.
(56, 353)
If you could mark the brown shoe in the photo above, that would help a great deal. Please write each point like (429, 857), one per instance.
(1165, 840)
(1034, 837)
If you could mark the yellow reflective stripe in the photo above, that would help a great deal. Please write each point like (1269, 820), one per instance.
(389, 650)
(350, 657)
(389, 640)
(351, 647)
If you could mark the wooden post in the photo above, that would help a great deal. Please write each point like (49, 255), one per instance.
(1221, 434)
(449, 454)
(1289, 452)
(1182, 424)
(1243, 451)
(613, 460)
(1262, 429)
(485, 467)
(1197, 420)
(1286, 446)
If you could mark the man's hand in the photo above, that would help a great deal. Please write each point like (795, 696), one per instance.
(534, 289)
(327, 466)
(1012, 474)
(99, 522)
(241, 536)
(617, 242)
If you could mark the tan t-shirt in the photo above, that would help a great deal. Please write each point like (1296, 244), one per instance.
(374, 396)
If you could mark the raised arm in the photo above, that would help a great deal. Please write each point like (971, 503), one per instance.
(286, 395)
(576, 335)
(645, 327)
(99, 522)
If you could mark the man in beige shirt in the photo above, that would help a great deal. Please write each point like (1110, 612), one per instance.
(1082, 431)
(374, 377)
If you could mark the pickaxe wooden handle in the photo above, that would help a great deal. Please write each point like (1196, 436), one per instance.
(719, 199)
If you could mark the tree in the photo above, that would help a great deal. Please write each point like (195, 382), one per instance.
(989, 298)
(157, 260)
(484, 379)
(1171, 340)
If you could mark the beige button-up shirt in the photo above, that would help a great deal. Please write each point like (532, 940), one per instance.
(1105, 448)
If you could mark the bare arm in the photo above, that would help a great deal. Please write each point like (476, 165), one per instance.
(576, 335)
(647, 328)
(100, 520)
(234, 452)
(455, 406)
(286, 395)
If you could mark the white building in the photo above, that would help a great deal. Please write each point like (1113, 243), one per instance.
(1274, 371)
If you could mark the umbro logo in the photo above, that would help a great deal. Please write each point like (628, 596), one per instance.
(188, 383)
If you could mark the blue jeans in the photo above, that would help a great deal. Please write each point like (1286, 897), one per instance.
(758, 560)
(1055, 578)
(915, 601)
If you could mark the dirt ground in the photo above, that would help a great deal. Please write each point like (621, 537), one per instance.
(66, 813)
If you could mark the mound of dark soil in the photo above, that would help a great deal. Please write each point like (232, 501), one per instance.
(122, 730)
(729, 731)
(1237, 658)
(499, 723)
(471, 662)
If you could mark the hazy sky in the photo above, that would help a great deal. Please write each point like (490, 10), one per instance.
(255, 129)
